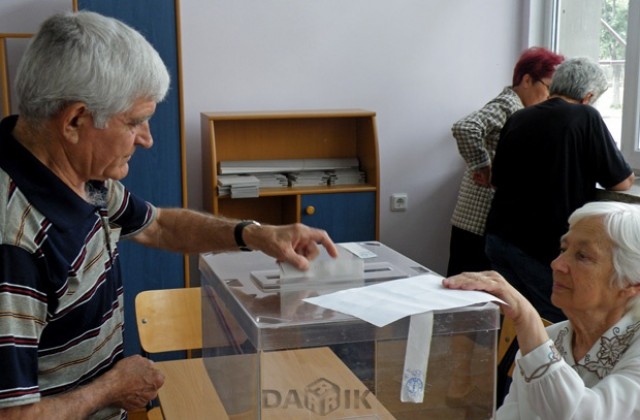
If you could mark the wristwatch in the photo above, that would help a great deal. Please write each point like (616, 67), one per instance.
(237, 232)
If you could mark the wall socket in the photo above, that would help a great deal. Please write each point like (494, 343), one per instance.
(399, 202)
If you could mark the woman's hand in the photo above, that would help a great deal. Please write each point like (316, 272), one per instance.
(482, 176)
(527, 321)
(491, 282)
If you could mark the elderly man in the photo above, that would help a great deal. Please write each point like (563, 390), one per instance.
(87, 86)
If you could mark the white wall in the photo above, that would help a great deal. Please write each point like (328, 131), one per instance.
(23, 16)
(20, 16)
(419, 64)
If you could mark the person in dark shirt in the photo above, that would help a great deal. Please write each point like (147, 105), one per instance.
(548, 162)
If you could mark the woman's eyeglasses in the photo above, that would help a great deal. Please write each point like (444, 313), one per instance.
(545, 85)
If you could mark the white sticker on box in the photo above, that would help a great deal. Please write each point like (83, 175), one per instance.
(358, 250)
(416, 358)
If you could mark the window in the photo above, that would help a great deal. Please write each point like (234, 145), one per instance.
(607, 31)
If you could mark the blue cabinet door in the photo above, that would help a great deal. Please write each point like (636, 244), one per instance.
(347, 217)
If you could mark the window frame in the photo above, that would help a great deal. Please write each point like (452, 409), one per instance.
(630, 140)
(542, 31)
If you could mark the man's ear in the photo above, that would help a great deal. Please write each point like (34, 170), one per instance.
(72, 119)
(587, 99)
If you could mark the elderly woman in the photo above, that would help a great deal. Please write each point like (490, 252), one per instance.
(587, 367)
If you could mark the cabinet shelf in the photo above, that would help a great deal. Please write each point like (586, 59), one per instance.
(281, 135)
(269, 192)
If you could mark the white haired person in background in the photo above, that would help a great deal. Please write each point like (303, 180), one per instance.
(587, 367)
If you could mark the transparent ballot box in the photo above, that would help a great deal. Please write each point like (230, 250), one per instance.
(271, 355)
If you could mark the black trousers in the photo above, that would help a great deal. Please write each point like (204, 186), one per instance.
(466, 252)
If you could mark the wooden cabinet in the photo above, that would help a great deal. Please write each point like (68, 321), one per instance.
(347, 212)
(15, 44)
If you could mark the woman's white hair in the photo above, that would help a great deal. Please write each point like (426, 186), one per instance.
(89, 58)
(621, 222)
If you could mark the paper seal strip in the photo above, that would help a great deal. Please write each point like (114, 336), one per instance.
(416, 357)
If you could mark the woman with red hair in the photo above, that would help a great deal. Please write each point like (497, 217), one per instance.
(477, 137)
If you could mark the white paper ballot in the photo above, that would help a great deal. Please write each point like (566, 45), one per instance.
(383, 303)
(346, 266)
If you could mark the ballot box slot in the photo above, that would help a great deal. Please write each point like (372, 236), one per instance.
(374, 272)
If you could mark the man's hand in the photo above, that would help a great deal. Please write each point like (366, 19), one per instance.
(296, 244)
(132, 382)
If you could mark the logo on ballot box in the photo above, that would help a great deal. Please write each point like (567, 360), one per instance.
(320, 396)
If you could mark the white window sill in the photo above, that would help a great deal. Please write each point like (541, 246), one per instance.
(632, 195)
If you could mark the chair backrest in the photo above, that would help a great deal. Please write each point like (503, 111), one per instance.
(169, 319)
(154, 413)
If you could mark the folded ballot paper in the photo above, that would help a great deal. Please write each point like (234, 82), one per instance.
(386, 302)
(325, 270)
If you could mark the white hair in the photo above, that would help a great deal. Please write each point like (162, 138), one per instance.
(89, 58)
(621, 222)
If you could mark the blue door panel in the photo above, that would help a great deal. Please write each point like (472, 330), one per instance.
(156, 174)
(347, 217)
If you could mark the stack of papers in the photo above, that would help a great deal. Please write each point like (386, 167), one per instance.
(244, 191)
(238, 186)
(243, 178)
(284, 165)
(272, 180)
(308, 179)
(347, 177)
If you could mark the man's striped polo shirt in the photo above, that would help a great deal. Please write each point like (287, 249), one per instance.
(61, 302)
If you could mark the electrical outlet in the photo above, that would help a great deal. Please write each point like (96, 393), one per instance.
(399, 202)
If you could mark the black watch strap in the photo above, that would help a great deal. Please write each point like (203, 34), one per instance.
(237, 232)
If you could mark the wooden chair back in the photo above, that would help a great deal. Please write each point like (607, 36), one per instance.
(169, 319)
